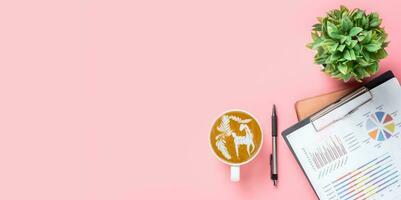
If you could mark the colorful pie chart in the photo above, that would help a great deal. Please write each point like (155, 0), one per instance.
(380, 126)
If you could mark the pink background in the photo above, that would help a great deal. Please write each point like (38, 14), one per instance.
(115, 99)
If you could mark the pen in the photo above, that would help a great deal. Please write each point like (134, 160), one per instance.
(273, 156)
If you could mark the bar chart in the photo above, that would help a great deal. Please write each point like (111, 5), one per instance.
(328, 152)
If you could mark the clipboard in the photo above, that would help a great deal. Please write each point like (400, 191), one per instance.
(325, 117)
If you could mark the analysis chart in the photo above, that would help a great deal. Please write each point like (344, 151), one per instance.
(328, 156)
(380, 126)
(372, 178)
(328, 152)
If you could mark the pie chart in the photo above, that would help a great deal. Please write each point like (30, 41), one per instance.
(380, 126)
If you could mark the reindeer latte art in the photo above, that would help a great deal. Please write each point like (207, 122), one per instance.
(236, 137)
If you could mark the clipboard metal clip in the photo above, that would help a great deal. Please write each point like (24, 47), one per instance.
(341, 108)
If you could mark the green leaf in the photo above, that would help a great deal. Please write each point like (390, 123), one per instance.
(332, 30)
(333, 47)
(363, 62)
(329, 68)
(365, 22)
(366, 56)
(373, 46)
(341, 48)
(345, 23)
(381, 54)
(342, 68)
(385, 44)
(316, 43)
(368, 37)
(375, 22)
(346, 77)
(347, 55)
(358, 14)
(334, 58)
(343, 39)
(314, 35)
(320, 60)
(360, 37)
(354, 31)
(344, 8)
(373, 68)
(361, 72)
(327, 43)
(336, 35)
(352, 54)
(357, 48)
(317, 27)
(348, 41)
(353, 43)
(373, 15)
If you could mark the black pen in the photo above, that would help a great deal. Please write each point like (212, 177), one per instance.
(273, 156)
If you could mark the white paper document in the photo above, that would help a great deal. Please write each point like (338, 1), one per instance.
(359, 156)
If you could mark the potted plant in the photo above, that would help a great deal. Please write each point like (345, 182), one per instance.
(349, 43)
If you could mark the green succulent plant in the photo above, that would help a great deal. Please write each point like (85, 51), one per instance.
(349, 43)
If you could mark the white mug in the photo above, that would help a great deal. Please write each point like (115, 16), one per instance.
(222, 132)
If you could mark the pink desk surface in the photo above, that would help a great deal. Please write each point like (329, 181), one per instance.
(115, 99)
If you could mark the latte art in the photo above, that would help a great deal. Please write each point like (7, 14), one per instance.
(236, 137)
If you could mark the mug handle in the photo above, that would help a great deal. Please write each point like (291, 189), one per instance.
(235, 173)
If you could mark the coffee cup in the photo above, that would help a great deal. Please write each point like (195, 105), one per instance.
(236, 139)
